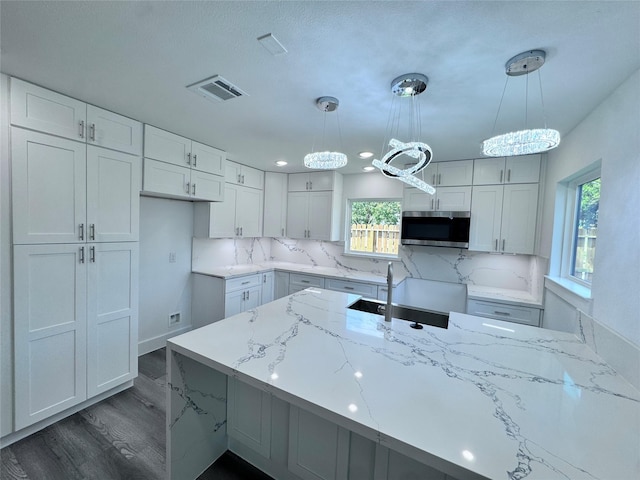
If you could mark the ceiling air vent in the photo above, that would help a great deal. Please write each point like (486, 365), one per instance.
(217, 89)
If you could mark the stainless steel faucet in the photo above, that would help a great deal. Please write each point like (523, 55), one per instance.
(388, 311)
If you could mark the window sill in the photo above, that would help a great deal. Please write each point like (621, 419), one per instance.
(570, 286)
(371, 256)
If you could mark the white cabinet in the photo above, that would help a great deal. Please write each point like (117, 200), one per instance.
(267, 287)
(301, 281)
(365, 289)
(177, 167)
(318, 181)
(239, 215)
(281, 287)
(37, 108)
(275, 205)
(521, 169)
(242, 293)
(502, 311)
(65, 192)
(242, 175)
(454, 199)
(503, 218)
(448, 174)
(75, 324)
(249, 416)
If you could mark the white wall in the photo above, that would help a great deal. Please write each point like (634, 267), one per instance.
(166, 226)
(611, 133)
(6, 324)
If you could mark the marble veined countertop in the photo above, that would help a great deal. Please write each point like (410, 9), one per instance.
(517, 297)
(481, 399)
(231, 271)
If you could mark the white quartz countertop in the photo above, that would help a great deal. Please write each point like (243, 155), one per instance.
(504, 295)
(481, 399)
(231, 271)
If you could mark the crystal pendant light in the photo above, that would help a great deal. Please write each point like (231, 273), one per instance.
(409, 85)
(527, 141)
(326, 160)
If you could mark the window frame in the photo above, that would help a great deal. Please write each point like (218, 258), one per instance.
(347, 229)
(571, 225)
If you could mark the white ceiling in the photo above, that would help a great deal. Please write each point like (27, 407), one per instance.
(136, 58)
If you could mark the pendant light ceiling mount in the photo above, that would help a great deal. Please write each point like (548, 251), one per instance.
(326, 160)
(525, 63)
(409, 84)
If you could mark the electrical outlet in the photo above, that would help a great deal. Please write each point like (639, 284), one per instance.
(174, 318)
(172, 257)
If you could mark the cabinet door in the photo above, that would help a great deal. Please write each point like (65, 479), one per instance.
(166, 179)
(207, 159)
(455, 199)
(455, 173)
(320, 181)
(488, 171)
(249, 416)
(519, 215)
(232, 172)
(112, 315)
(523, 169)
(222, 215)
(252, 177)
(49, 188)
(281, 287)
(253, 298)
(234, 303)
(40, 109)
(208, 187)
(416, 199)
(486, 217)
(50, 283)
(266, 295)
(166, 146)
(298, 182)
(319, 217)
(297, 212)
(249, 212)
(110, 130)
(113, 202)
(429, 174)
(275, 204)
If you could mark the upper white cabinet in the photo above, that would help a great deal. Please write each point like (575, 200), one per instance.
(315, 214)
(448, 174)
(37, 108)
(242, 175)
(318, 181)
(503, 218)
(454, 199)
(521, 169)
(239, 215)
(275, 205)
(177, 167)
(65, 192)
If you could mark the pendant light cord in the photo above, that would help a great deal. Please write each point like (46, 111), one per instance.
(544, 114)
(495, 122)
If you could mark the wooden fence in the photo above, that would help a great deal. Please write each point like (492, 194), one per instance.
(375, 238)
(585, 253)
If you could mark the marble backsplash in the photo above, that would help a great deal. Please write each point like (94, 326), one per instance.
(517, 272)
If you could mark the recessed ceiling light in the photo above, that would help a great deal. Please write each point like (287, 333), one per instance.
(365, 154)
(368, 168)
(281, 163)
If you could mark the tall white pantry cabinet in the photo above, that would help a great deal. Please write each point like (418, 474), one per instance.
(76, 176)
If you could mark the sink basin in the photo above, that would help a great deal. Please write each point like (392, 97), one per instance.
(417, 315)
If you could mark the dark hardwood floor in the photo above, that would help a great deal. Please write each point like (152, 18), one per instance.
(122, 437)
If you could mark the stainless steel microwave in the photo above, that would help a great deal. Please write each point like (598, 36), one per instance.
(437, 229)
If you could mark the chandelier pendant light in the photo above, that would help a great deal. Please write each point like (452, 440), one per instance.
(527, 141)
(407, 85)
(326, 160)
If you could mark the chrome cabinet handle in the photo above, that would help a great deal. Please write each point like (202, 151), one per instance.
(195, 160)
(248, 294)
(438, 203)
(506, 314)
(503, 242)
(92, 254)
(81, 254)
(306, 186)
(239, 178)
(439, 178)
(349, 288)
(509, 175)
(189, 158)
(92, 132)
(501, 175)
(81, 235)
(193, 188)
(282, 232)
(243, 179)
(240, 231)
(310, 185)
(92, 231)
(433, 178)
(496, 245)
(432, 202)
(305, 281)
(264, 279)
(244, 295)
(81, 128)
(246, 283)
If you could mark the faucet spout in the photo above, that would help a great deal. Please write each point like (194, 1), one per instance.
(388, 311)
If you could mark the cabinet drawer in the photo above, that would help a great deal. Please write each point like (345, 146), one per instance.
(242, 283)
(500, 311)
(364, 289)
(305, 281)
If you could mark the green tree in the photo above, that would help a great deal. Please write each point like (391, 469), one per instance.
(589, 204)
(375, 213)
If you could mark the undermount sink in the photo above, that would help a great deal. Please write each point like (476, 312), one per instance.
(416, 315)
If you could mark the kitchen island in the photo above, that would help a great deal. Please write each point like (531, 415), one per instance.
(481, 399)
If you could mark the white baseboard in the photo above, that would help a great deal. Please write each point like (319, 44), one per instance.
(152, 344)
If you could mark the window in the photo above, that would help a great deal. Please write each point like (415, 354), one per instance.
(373, 227)
(585, 230)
